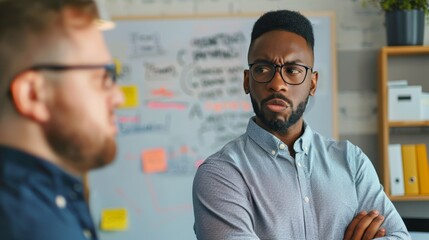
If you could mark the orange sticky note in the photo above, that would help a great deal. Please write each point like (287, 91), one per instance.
(154, 160)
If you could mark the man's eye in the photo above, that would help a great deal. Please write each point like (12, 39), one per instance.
(262, 69)
(294, 70)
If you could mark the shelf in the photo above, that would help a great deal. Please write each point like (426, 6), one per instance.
(405, 50)
(409, 124)
(386, 53)
(409, 198)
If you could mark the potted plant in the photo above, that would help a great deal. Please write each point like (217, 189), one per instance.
(404, 20)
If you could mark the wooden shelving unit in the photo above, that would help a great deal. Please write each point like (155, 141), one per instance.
(409, 124)
(384, 124)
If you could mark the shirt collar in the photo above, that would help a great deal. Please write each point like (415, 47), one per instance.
(18, 165)
(303, 142)
(260, 136)
(268, 141)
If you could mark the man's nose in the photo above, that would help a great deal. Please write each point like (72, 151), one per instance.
(277, 83)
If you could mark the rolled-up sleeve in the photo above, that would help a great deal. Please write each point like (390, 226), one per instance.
(222, 206)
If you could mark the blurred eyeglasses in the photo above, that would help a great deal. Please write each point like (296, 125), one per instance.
(111, 70)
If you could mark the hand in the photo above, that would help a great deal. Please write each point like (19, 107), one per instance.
(365, 226)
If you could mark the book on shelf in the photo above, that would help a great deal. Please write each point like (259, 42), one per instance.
(395, 170)
(409, 164)
(423, 168)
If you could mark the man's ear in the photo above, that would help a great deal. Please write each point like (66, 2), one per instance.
(246, 81)
(29, 95)
(314, 79)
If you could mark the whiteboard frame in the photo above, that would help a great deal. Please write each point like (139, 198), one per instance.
(334, 69)
(333, 49)
(329, 14)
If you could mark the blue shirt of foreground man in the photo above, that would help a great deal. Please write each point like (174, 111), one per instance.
(57, 101)
(281, 179)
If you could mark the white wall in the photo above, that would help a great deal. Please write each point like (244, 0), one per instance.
(358, 27)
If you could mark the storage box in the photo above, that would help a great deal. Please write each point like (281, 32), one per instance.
(405, 103)
(425, 106)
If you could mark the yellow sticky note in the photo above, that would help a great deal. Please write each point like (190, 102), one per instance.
(114, 219)
(118, 66)
(131, 96)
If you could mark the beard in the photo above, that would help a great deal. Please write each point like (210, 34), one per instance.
(78, 148)
(275, 124)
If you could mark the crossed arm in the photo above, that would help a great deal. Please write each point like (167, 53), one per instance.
(365, 225)
(221, 207)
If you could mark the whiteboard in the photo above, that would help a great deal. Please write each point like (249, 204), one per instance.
(186, 76)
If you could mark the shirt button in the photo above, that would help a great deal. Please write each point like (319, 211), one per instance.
(60, 201)
(273, 152)
(282, 146)
(299, 164)
(306, 199)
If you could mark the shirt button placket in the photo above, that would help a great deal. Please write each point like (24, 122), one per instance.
(306, 199)
(306, 193)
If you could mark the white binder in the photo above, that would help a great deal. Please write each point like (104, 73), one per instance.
(396, 170)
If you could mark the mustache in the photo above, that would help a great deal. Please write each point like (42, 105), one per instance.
(278, 96)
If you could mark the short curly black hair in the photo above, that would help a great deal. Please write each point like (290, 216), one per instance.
(290, 21)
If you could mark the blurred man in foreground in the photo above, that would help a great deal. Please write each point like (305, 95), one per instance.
(57, 101)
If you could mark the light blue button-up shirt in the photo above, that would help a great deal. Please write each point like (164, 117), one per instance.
(254, 189)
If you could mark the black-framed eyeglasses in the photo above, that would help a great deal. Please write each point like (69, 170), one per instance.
(108, 81)
(291, 73)
(110, 69)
